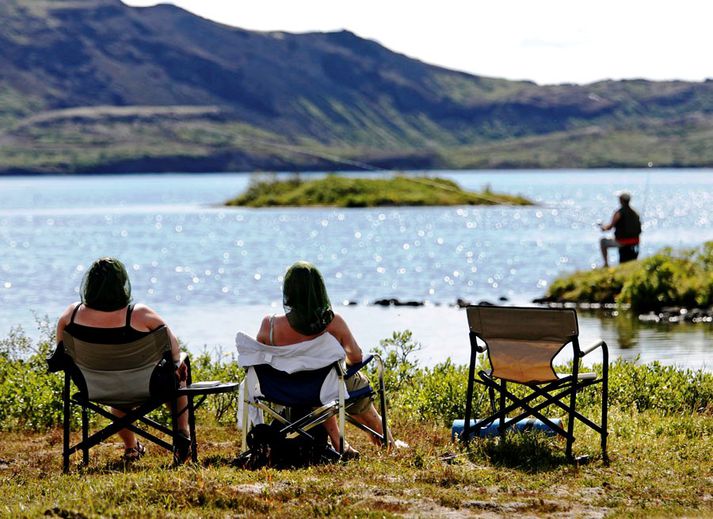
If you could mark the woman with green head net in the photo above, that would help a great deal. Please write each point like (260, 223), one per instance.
(105, 315)
(309, 314)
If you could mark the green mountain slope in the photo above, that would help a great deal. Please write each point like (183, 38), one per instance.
(95, 85)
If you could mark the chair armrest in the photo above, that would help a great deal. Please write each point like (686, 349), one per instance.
(353, 368)
(593, 347)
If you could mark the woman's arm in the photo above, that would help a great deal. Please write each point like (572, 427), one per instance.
(63, 321)
(338, 327)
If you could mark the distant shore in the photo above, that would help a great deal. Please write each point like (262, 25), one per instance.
(170, 169)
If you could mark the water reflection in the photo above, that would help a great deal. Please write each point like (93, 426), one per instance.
(188, 254)
(684, 344)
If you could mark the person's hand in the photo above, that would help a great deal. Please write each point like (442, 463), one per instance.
(182, 373)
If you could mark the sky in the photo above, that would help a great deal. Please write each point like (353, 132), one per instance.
(546, 41)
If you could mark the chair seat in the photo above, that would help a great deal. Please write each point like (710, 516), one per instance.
(580, 376)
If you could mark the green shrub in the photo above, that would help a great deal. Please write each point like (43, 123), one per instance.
(668, 278)
(30, 397)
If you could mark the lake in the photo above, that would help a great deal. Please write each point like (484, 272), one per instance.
(211, 271)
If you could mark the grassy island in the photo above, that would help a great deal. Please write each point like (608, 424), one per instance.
(669, 278)
(338, 191)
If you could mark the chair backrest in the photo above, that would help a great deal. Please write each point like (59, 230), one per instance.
(522, 342)
(118, 374)
(299, 389)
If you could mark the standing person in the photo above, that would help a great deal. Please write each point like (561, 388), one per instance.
(627, 228)
(308, 314)
(105, 316)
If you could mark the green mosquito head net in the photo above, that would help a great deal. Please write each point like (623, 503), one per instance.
(106, 285)
(305, 299)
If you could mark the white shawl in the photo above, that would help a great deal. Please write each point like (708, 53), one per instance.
(306, 355)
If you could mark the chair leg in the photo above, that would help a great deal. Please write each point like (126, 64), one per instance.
(341, 415)
(174, 429)
(605, 406)
(469, 396)
(382, 404)
(192, 429)
(85, 436)
(65, 439)
(244, 431)
(501, 410)
(570, 424)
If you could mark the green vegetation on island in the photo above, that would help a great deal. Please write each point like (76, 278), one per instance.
(669, 278)
(660, 439)
(340, 191)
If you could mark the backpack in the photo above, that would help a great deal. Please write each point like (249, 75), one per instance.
(269, 447)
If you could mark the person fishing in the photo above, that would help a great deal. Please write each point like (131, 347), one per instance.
(627, 229)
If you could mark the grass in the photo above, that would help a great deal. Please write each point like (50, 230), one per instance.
(339, 191)
(660, 439)
(660, 465)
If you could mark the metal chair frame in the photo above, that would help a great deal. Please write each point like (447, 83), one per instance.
(553, 392)
(134, 416)
(322, 413)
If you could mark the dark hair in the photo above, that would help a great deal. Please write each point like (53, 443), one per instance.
(106, 286)
(305, 299)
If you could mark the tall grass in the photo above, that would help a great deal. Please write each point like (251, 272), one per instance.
(30, 397)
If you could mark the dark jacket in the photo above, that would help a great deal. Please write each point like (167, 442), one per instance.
(628, 225)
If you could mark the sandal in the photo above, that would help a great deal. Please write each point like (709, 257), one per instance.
(350, 453)
(134, 453)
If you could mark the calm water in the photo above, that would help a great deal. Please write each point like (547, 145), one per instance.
(211, 271)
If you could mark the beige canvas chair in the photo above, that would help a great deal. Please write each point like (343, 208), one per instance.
(521, 344)
(138, 377)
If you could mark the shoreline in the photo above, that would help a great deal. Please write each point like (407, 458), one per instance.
(15, 173)
(441, 330)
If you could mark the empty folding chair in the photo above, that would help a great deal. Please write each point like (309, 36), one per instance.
(521, 344)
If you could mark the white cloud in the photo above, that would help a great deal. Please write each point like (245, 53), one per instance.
(549, 41)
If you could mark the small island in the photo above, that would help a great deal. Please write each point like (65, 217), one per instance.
(338, 191)
(667, 280)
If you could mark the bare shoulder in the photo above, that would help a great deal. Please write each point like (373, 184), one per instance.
(146, 316)
(338, 325)
(265, 324)
(67, 313)
(263, 333)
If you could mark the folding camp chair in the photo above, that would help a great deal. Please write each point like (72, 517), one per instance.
(322, 390)
(521, 344)
(137, 377)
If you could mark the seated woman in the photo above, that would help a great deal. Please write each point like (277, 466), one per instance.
(106, 316)
(308, 314)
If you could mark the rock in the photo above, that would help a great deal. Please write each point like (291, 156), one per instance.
(396, 302)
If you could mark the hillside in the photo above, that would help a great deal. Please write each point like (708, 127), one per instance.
(95, 85)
